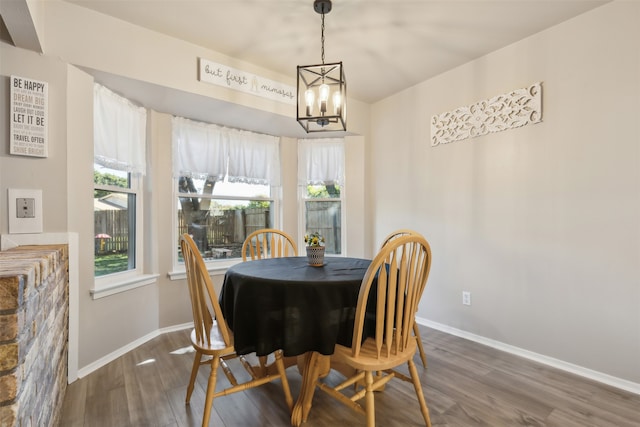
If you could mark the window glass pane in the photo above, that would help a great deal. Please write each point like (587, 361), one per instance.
(323, 191)
(114, 227)
(324, 217)
(222, 188)
(105, 176)
(220, 220)
(241, 189)
(220, 226)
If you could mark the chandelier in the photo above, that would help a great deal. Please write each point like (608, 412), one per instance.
(322, 89)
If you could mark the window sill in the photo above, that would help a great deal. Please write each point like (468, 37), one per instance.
(219, 269)
(123, 285)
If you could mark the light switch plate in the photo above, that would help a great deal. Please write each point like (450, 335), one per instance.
(25, 207)
(25, 211)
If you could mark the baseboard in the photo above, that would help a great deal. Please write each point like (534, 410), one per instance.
(546, 360)
(540, 358)
(127, 348)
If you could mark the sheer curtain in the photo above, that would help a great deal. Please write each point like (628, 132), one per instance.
(119, 132)
(200, 150)
(207, 150)
(254, 158)
(321, 161)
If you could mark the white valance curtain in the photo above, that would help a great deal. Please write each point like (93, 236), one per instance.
(200, 150)
(254, 158)
(321, 161)
(119, 132)
(207, 150)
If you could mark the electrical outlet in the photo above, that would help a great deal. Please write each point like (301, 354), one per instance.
(466, 297)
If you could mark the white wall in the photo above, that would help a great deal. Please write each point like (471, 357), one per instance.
(541, 224)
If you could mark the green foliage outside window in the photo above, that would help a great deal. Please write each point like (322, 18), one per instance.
(107, 179)
(255, 204)
(323, 191)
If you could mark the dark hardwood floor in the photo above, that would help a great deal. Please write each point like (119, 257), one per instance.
(466, 384)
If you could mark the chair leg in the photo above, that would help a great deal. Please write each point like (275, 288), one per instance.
(416, 384)
(194, 373)
(211, 390)
(283, 379)
(369, 399)
(227, 372)
(423, 356)
(263, 365)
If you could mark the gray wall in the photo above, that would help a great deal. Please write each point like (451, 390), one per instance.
(542, 223)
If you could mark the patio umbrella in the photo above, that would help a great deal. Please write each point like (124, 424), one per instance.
(102, 236)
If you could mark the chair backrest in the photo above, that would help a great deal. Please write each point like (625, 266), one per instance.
(204, 302)
(398, 233)
(395, 279)
(268, 243)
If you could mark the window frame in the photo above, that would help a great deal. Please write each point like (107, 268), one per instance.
(302, 215)
(217, 265)
(121, 281)
(325, 169)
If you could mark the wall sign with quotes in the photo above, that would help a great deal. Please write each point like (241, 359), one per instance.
(221, 75)
(29, 117)
(511, 110)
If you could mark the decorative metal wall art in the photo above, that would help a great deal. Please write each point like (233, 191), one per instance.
(512, 110)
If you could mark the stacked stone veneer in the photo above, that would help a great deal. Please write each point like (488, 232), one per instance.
(34, 320)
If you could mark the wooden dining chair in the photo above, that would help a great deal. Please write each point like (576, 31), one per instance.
(397, 277)
(211, 336)
(416, 329)
(268, 243)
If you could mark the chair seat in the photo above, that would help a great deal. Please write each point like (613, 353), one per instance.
(217, 344)
(368, 359)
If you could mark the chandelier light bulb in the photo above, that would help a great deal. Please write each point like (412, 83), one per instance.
(323, 97)
(309, 97)
(324, 92)
(337, 102)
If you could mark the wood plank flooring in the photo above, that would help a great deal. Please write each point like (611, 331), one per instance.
(466, 384)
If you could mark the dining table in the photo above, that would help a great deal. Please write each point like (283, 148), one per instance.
(286, 304)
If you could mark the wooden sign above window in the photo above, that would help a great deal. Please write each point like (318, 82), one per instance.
(512, 110)
(222, 75)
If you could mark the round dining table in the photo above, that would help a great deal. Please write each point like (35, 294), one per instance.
(286, 304)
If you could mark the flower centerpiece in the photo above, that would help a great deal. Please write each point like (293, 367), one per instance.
(315, 249)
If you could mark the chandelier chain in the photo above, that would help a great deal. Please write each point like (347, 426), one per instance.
(322, 37)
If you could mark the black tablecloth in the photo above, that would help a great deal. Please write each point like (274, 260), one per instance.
(283, 303)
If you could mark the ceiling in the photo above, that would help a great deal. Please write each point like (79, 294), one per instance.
(386, 45)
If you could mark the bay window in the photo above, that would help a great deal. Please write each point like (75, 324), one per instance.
(226, 183)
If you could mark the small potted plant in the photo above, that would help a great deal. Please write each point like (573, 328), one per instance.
(315, 249)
